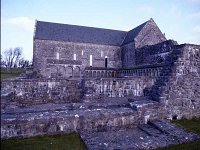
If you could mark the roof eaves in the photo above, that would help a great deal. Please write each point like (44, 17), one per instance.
(36, 38)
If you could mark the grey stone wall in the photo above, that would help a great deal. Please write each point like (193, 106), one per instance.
(20, 93)
(121, 83)
(178, 87)
(63, 122)
(46, 52)
(144, 71)
(116, 87)
(149, 35)
(154, 54)
(80, 118)
(128, 55)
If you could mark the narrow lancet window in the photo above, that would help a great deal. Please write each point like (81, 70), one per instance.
(101, 53)
(57, 55)
(90, 60)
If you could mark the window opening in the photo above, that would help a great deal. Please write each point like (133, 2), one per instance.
(90, 60)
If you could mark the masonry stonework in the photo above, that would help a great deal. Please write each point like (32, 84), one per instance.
(46, 51)
(178, 87)
(30, 92)
(92, 80)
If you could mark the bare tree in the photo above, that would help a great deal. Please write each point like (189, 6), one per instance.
(17, 54)
(12, 57)
(2, 62)
(24, 63)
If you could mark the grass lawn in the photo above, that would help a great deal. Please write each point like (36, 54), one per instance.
(12, 72)
(190, 125)
(8, 75)
(56, 142)
(185, 146)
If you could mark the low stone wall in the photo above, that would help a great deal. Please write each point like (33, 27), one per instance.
(144, 70)
(26, 92)
(98, 72)
(28, 122)
(117, 87)
(58, 122)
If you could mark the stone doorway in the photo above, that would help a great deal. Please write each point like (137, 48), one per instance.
(106, 62)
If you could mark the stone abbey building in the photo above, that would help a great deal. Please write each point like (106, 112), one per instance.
(68, 50)
(115, 88)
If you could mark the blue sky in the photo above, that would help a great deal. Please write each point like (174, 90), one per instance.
(178, 19)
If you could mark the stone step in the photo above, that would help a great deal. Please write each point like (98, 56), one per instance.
(150, 130)
(138, 105)
(142, 137)
(90, 115)
(68, 121)
(63, 107)
(173, 130)
(121, 139)
(135, 103)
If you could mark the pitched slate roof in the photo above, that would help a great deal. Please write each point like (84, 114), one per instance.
(74, 33)
(131, 35)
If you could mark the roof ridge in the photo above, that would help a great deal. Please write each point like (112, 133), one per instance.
(80, 26)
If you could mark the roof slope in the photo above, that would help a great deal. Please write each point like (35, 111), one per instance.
(131, 35)
(74, 33)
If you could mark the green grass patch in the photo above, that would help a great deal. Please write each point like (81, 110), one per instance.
(11, 72)
(184, 146)
(192, 125)
(9, 75)
(54, 142)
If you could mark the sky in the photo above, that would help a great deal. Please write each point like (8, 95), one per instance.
(178, 19)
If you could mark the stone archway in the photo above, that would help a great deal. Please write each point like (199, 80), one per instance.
(102, 74)
(76, 71)
(98, 74)
(53, 71)
(86, 74)
(68, 71)
(94, 74)
(61, 71)
(90, 73)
